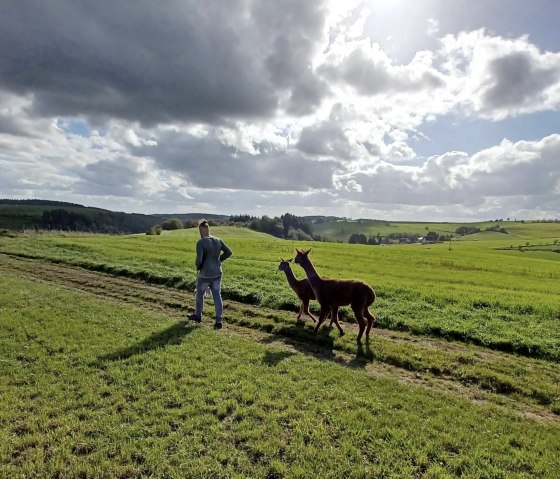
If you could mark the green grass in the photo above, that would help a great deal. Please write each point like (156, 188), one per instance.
(95, 387)
(504, 299)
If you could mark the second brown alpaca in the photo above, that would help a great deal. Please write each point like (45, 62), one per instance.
(333, 293)
(303, 291)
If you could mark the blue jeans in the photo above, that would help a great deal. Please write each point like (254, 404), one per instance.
(215, 285)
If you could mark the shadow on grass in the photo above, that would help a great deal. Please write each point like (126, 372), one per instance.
(300, 336)
(363, 356)
(320, 345)
(272, 358)
(172, 335)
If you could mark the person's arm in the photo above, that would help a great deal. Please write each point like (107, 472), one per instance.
(226, 252)
(199, 255)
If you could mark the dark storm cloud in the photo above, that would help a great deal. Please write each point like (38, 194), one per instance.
(518, 80)
(208, 163)
(293, 29)
(157, 63)
(325, 139)
(11, 126)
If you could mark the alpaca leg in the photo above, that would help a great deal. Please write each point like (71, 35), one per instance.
(322, 317)
(332, 314)
(334, 319)
(300, 311)
(359, 314)
(370, 320)
(305, 306)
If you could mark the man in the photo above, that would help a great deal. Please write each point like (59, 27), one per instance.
(210, 253)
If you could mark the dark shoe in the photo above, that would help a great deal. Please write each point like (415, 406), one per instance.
(218, 325)
(193, 317)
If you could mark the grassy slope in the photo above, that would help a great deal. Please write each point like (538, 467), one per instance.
(95, 387)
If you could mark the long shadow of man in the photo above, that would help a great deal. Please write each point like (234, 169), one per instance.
(172, 335)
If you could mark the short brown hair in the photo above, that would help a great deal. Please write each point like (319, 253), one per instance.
(203, 223)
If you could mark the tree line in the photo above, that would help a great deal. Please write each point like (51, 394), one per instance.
(287, 226)
(94, 222)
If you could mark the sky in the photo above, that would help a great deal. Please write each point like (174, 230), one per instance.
(410, 110)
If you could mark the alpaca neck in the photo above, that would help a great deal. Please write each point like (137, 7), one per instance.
(292, 280)
(311, 273)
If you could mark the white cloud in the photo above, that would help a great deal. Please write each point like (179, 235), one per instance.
(432, 27)
(496, 77)
(511, 175)
(252, 105)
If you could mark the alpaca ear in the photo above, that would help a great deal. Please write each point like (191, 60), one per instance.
(306, 252)
(291, 260)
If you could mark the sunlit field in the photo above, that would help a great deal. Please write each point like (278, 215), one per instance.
(103, 378)
(470, 290)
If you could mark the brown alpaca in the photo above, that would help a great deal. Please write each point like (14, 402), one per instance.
(301, 287)
(333, 293)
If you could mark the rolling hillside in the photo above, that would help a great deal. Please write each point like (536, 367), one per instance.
(340, 230)
(38, 214)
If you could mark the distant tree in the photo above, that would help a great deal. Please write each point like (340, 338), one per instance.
(358, 238)
(190, 224)
(241, 219)
(271, 226)
(172, 224)
(432, 236)
(299, 235)
(292, 222)
(467, 230)
(497, 228)
(154, 230)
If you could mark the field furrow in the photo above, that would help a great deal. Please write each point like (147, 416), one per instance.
(528, 386)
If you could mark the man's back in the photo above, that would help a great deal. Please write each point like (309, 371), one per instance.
(209, 256)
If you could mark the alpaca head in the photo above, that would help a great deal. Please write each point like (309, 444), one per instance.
(284, 265)
(301, 257)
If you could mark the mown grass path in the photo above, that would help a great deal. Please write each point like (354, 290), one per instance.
(102, 379)
(473, 293)
(529, 386)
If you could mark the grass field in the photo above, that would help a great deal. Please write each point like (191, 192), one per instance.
(517, 230)
(506, 299)
(96, 385)
(101, 379)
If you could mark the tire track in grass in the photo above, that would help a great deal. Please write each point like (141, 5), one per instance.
(470, 371)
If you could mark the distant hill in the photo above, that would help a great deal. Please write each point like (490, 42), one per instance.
(58, 215)
(192, 217)
(342, 229)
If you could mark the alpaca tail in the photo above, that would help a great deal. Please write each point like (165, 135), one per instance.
(371, 297)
